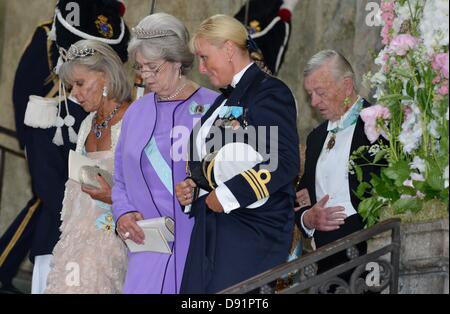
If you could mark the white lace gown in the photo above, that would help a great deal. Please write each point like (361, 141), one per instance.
(89, 257)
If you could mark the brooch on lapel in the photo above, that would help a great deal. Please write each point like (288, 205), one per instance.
(195, 108)
(105, 222)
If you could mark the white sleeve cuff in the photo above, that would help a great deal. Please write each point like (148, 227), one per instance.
(226, 199)
(187, 209)
(309, 232)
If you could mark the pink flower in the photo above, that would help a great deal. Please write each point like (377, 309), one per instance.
(371, 114)
(385, 35)
(387, 6)
(388, 16)
(417, 177)
(401, 44)
(373, 117)
(407, 111)
(443, 90)
(440, 63)
(408, 183)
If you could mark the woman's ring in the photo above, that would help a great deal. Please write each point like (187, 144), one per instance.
(126, 235)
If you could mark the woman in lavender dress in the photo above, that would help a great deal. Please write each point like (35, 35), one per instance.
(150, 156)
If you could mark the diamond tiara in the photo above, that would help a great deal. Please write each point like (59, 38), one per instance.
(141, 33)
(74, 53)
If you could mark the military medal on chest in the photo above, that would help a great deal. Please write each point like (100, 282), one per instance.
(331, 141)
(228, 117)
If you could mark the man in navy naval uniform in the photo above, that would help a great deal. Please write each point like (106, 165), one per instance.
(244, 211)
(36, 229)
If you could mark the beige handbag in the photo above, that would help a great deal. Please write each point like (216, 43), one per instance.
(89, 174)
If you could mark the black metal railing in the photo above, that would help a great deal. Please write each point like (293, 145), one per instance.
(3, 151)
(374, 271)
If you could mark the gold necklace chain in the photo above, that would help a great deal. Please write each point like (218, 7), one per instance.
(177, 92)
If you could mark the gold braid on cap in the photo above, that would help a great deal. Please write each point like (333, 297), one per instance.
(141, 33)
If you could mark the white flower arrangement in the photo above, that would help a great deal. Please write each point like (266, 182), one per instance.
(412, 111)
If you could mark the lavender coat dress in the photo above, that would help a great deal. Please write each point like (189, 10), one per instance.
(145, 178)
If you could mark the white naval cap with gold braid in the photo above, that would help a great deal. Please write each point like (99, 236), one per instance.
(239, 159)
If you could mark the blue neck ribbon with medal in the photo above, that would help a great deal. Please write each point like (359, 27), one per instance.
(349, 119)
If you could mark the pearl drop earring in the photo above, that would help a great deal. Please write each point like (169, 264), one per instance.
(105, 91)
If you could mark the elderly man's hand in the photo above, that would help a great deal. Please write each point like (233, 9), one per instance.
(324, 218)
(185, 191)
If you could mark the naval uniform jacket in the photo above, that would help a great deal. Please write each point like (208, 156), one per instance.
(228, 248)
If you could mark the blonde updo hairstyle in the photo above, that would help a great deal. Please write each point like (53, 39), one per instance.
(220, 28)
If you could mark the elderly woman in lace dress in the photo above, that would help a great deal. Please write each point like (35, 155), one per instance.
(90, 257)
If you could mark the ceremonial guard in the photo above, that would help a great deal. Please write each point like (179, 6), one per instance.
(47, 129)
(269, 25)
(33, 77)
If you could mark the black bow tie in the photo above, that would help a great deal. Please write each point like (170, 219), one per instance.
(226, 92)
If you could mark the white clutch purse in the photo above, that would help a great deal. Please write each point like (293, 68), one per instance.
(158, 233)
(88, 176)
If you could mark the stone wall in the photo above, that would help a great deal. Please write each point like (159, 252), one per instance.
(423, 256)
(317, 24)
(2, 18)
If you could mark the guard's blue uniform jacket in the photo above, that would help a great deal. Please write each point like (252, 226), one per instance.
(34, 75)
(228, 248)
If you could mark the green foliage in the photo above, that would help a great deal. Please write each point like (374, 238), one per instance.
(411, 86)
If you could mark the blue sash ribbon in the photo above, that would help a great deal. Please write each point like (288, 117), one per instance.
(159, 164)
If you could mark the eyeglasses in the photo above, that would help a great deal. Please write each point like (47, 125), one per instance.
(152, 71)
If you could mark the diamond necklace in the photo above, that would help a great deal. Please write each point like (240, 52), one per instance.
(177, 92)
(97, 127)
